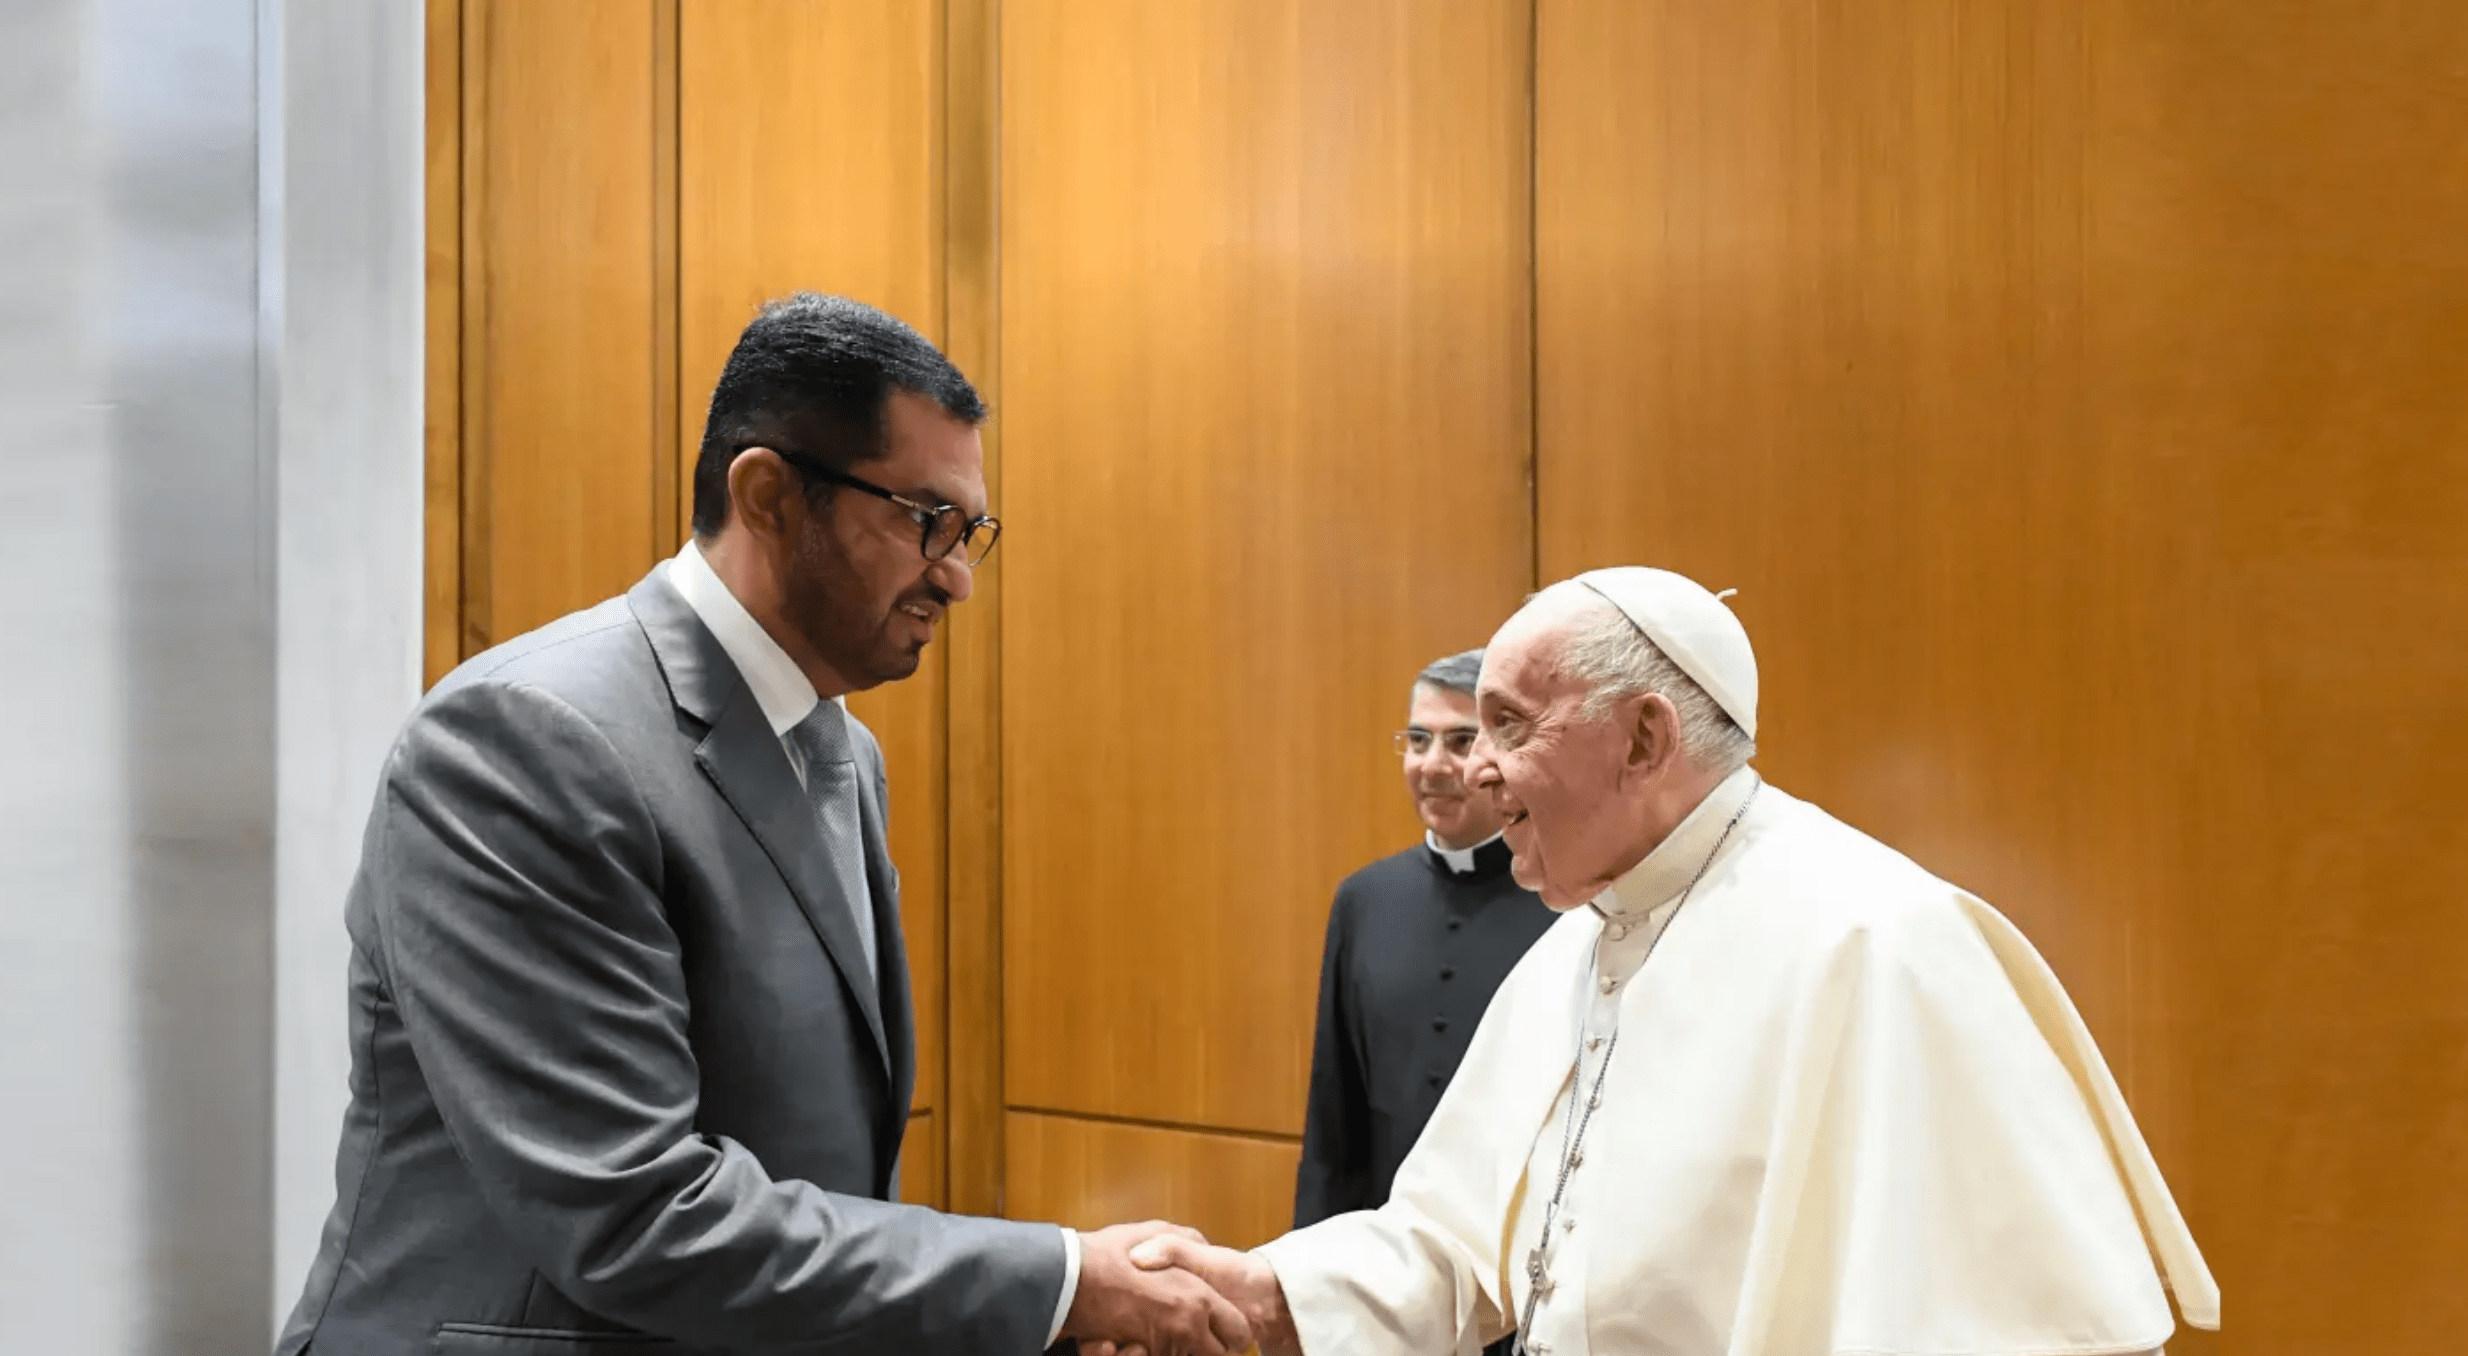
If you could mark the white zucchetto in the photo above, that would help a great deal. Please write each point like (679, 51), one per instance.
(1693, 627)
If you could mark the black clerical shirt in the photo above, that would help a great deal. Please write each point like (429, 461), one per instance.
(1414, 953)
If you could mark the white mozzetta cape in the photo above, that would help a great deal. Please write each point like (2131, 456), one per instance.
(1850, 1111)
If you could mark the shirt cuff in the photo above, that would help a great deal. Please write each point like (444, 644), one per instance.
(1071, 1285)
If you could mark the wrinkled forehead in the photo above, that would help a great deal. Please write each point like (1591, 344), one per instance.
(1521, 665)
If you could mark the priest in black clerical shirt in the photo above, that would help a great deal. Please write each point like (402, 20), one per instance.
(1417, 943)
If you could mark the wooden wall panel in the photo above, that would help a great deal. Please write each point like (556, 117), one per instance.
(808, 159)
(1265, 350)
(441, 631)
(559, 308)
(2282, 310)
(1812, 324)
(810, 139)
(1238, 1190)
(921, 1161)
(973, 920)
(2069, 391)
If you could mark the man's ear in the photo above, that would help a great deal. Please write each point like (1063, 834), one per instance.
(759, 485)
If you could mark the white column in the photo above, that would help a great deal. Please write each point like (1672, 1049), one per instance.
(136, 797)
(345, 206)
(210, 499)
(67, 1065)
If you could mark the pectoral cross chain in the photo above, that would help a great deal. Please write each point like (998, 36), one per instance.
(1572, 1144)
(1537, 1273)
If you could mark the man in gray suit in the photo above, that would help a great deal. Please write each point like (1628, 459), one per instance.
(631, 1037)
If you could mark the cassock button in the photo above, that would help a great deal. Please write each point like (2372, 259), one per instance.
(1448, 972)
(1455, 923)
(1432, 1079)
(1439, 1024)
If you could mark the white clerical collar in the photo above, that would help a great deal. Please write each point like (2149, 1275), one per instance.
(1674, 862)
(780, 687)
(1460, 860)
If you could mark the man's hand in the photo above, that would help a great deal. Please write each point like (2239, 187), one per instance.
(1246, 1280)
(1162, 1311)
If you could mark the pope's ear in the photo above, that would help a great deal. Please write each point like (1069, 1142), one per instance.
(1654, 736)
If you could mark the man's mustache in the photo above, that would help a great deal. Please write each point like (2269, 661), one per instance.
(930, 593)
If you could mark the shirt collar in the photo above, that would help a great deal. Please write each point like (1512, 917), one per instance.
(1674, 862)
(780, 687)
(1460, 860)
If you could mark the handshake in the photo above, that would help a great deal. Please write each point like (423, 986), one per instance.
(1159, 1289)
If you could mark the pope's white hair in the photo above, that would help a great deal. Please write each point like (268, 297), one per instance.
(1606, 652)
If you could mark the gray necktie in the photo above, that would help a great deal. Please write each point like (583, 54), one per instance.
(829, 764)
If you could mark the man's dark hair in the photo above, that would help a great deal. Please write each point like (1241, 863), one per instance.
(814, 374)
(1456, 673)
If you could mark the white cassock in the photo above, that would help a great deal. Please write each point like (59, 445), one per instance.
(1848, 1109)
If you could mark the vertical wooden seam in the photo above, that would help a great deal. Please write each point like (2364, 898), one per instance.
(973, 955)
(667, 515)
(477, 501)
(939, 101)
(1533, 294)
(441, 626)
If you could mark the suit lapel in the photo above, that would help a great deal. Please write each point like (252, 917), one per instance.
(744, 760)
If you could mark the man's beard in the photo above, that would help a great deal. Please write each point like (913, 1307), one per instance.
(855, 643)
(818, 580)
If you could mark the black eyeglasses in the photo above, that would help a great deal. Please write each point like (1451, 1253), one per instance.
(940, 526)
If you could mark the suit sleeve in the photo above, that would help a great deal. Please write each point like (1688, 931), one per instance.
(526, 944)
(1335, 1173)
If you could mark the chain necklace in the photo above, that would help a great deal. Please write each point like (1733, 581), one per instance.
(1538, 1282)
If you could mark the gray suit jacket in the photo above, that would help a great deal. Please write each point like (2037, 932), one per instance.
(620, 1082)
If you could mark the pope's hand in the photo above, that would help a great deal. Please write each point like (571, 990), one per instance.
(1239, 1276)
(1161, 1312)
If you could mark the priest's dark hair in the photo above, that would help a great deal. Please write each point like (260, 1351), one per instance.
(1456, 673)
(816, 373)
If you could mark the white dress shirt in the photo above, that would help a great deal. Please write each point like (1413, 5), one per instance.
(780, 687)
(787, 697)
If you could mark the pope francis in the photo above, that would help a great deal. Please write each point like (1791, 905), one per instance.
(1767, 1088)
